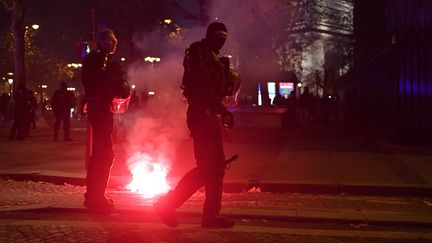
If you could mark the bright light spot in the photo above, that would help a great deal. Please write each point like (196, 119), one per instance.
(167, 21)
(74, 65)
(151, 93)
(329, 97)
(229, 56)
(10, 81)
(122, 59)
(152, 59)
(255, 189)
(133, 86)
(10, 73)
(71, 89)
(71, 112)
(35, 26)
(148, 176)
(299, 85)
(44, 86)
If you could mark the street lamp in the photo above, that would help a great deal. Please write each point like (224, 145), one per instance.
(152, 60)
(10, 82)
(35, 26)
(74, 65)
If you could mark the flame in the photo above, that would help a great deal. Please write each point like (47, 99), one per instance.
(149, 177)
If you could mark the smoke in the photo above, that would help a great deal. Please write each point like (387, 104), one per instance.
(160, 121)
(252, 26)
(160, 125)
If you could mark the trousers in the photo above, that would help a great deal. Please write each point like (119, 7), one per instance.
(102, 154)
(61, 117)
(210, 162)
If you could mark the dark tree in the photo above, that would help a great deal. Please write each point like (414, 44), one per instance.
(17, 10)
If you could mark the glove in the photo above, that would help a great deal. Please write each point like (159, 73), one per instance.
(227, 119)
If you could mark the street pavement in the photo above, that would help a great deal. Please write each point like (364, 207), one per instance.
(301, 174)
(299, 159)
(44, 212)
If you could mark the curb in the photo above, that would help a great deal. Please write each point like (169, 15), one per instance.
(365, 190)
(148, 212)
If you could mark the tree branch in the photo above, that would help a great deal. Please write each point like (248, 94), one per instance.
(8, 5)
(202, 16)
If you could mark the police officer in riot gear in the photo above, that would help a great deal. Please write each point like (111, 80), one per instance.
(102, 83)
(206, 81)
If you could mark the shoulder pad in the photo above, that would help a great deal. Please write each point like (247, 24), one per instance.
(96, 54)
(196, 46)
(97, 59)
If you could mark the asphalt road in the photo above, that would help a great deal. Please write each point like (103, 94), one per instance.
(82, 227)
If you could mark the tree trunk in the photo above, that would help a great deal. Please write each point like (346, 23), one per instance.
(19, 47)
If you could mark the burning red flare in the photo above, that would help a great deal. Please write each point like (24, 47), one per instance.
(149, 177)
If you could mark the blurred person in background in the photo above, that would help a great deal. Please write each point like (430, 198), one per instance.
(61, 102)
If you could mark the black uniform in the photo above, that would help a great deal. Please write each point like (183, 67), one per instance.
(204, 82)
(98, 91)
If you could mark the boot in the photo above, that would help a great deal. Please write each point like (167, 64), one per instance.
(210, 221)
(166, 213)
(101, 204)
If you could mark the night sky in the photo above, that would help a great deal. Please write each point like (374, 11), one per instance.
(57, 20)
(62, 24)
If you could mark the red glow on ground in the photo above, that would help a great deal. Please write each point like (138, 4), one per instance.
(149, 177)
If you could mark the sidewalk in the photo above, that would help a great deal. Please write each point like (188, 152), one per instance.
(272, 159)
(356, 210)
(347, 172)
